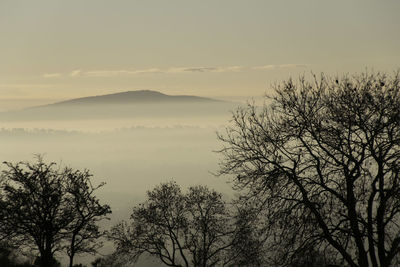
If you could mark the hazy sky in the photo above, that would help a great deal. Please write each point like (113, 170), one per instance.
(53, 49)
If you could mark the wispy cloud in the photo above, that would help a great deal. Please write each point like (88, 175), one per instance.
(280, 66)
(191, 69)
(111, 73)
(75, 73)
(25, 85)
(51, 75)
(230, 69)
(172, 70)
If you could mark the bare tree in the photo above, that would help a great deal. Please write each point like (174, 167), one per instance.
(322, 161)
(248, 243)
(40, 210)
(33, 207)
(83, 232)
(191, 229)
(209, 231)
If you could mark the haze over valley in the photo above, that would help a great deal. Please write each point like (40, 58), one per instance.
(131, 140)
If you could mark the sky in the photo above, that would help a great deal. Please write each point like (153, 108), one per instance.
(53, 50)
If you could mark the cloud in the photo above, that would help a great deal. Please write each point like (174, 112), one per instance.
(192, 69)
(231, 69)
(75, 73)
(112, 73)
(51, 75)
(205, 69)
(172, 70)
(281, 66)
(25, 85)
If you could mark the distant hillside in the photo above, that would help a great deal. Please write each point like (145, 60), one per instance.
(134, 97)
(132, 104)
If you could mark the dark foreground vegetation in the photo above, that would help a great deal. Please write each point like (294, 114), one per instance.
(317, 174)
(50, 209)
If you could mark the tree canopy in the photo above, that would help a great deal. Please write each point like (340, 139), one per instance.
(321, 161)
(48, 208)
(180, 229)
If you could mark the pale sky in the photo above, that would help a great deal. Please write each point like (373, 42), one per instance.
(52, 50)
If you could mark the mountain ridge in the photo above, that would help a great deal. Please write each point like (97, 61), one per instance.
(132, 97)
(123, 105)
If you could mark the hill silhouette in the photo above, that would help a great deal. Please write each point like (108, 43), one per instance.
(130, 104)
(132, 97)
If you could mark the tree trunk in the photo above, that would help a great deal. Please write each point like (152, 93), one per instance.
(72, 252)
(71, 260)
(45, 259)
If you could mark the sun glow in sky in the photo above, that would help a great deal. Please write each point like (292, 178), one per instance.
(54, 50)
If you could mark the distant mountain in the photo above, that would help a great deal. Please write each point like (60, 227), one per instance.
(132, 104)
(134, 97)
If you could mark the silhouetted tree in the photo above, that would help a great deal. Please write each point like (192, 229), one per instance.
(10, 256)
(5, 252)
(310, 257)
(42, 208)
(106, 261)
(323, 161)
(191, 229)
(83, 231)
(248, 243)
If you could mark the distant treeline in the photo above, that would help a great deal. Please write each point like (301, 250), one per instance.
(55, 132)
(34, 131)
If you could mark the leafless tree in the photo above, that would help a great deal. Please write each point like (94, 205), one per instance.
(322, 160)
(248, 243)
(83, 232)
(42, 206)
(191, 229)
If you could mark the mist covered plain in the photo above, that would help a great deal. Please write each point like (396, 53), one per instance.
(132, 144)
